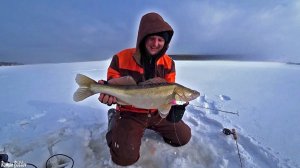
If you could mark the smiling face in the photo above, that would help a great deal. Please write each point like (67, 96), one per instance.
(154, 44)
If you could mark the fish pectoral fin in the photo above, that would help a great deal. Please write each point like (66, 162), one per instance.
(125, 80)
(164, 110)
(81, 94)
(153, 81)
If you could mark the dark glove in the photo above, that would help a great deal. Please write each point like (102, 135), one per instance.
(176, 113)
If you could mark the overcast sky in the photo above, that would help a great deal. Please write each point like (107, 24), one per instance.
(35, 31)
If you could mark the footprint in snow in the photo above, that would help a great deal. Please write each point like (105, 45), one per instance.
(202, 99)
(209, 106)
(224, 97)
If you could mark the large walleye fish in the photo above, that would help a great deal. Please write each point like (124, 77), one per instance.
(155, 93)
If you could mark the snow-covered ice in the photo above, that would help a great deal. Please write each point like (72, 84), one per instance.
(39, 118)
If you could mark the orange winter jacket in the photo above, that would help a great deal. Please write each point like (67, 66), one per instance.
(124, 64)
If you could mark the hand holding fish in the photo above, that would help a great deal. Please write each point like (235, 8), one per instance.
(105, 98)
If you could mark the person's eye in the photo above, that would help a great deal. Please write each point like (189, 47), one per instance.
(152, 39)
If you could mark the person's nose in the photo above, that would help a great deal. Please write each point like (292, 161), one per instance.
(155, 43)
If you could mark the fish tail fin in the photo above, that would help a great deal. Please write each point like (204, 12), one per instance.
(84, 90)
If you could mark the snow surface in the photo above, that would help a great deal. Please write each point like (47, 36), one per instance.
(39, 118)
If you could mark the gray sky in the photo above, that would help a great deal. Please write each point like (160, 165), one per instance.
(34, 31)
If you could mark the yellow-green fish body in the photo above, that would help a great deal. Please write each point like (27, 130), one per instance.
(159, 96)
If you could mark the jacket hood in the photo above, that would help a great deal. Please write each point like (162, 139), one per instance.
(152, 23)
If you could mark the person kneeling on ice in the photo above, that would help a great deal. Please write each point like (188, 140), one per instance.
(147, 61)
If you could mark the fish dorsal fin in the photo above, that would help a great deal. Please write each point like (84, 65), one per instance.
(124, 80)
(164, 110)
(155, 80)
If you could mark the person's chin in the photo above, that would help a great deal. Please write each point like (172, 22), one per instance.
(153, 52)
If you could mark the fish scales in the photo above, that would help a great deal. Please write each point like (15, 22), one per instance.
(159, 96)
